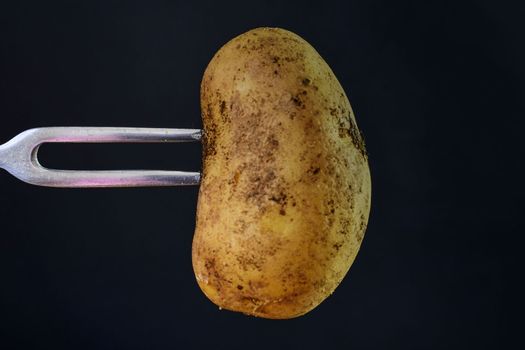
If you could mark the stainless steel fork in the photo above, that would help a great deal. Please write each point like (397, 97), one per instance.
(20, 157)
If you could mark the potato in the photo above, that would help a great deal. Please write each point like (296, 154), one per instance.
(285, 192)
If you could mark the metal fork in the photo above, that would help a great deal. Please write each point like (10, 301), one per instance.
(20, 157)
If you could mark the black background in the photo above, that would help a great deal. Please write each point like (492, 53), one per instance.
(438, 90)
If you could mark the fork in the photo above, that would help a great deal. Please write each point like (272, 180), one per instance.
(19, 157)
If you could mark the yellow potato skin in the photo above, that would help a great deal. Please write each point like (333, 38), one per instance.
(285, 190)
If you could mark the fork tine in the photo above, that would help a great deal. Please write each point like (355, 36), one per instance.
(111, 178)
(112, 135)
(20, 157)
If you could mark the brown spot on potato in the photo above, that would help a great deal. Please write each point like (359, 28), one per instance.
(337, 246)
(297, 101)
(357, 137)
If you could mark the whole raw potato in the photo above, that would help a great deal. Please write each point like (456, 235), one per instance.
(285, 193)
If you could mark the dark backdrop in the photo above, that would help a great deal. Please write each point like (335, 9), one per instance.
(437, 87)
